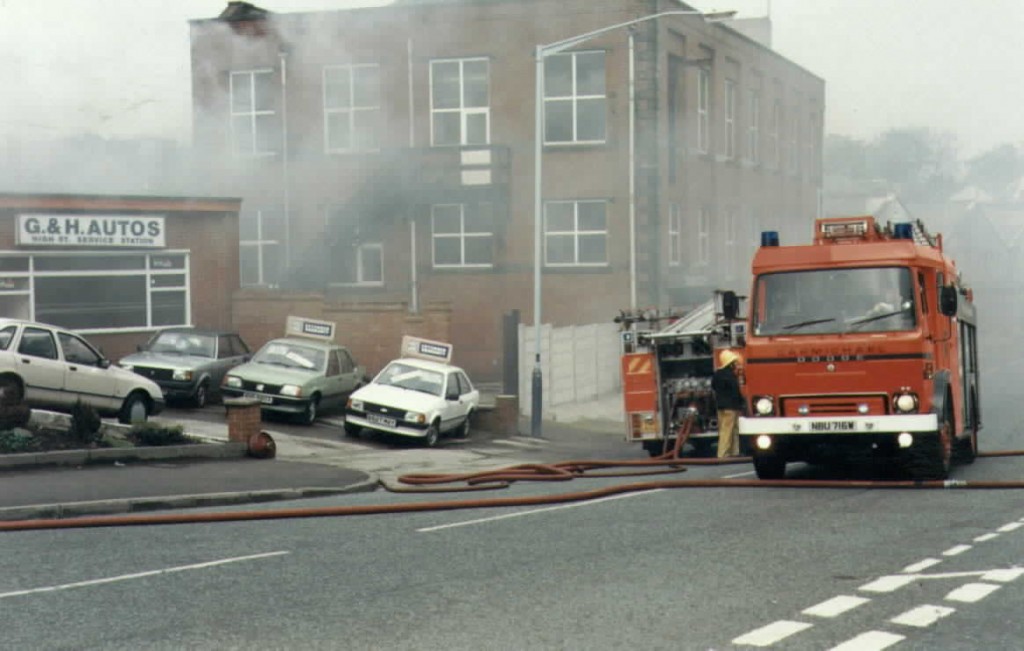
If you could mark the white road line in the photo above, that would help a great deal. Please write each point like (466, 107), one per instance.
(516, 444)
(835, 606)
(986, 537)
(739, 474)
(923, 616)
(972, 592)
(140, 575)
(921, 565)
(889, 583)
(1009, 527)
(772, 633)
(870, 641)
(1003, 576)
(517, 514)
(955, 551)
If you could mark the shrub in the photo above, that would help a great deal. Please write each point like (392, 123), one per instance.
(13, 441)
(152, 434)
(13, 415)
(85, 424)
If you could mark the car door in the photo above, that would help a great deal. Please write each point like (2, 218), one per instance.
(225, 359)
(87, 378)
(334, 381)
(351, 373)
(453, 412)
(41, 369)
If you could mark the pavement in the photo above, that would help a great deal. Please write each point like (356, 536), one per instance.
(221, 473)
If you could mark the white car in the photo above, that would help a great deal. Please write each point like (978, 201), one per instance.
(415, 398)
(50, 367)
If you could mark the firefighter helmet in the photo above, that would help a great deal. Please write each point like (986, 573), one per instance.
(727, 357)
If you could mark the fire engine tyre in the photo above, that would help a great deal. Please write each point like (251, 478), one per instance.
(134, 409)
(308, 417)
(432, 437)
(769, 466)
(931, 457)
(966, 449)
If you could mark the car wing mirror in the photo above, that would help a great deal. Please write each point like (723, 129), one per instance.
(104, 362)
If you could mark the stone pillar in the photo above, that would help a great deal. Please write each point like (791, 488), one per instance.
(506, 415)
(243, 419)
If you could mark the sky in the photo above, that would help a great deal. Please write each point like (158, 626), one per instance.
(120, 68)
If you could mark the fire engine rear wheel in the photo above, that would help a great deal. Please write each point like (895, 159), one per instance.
(769, 466)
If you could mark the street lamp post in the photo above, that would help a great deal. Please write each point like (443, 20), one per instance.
(542, 52)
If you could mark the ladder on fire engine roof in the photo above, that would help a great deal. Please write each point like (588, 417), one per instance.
(921, 234)
(698, 321)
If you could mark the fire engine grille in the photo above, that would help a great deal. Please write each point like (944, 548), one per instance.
(838, 405)
(154, 373)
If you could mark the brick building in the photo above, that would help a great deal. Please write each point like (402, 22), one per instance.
(387, 155)
(117, 268)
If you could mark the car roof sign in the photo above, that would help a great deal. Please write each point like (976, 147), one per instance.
(300, 326)
(417, 347)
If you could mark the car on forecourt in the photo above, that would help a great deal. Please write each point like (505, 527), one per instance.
(420, 395)
(52, 368)
(299, 374)
(188, 363)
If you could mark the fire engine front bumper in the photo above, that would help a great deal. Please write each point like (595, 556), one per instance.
(838, 426)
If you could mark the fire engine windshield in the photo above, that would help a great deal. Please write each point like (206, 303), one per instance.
(834, 301)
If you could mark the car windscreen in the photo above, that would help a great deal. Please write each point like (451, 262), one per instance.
(184, 343)
(834, 301)
(287, 354)
(405, 376)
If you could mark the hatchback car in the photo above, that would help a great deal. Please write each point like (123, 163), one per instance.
(296, 376)
(52, 368)
(187, 363)
(415, 398)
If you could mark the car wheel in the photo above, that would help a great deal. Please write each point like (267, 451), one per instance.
(432, 437)
(463, 431)
(10, 390)
(133, 410)
(202, 395)
(309, 416)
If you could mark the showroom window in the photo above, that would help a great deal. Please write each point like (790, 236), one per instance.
(255, 128)
(97, 292)
(574, 98)
(575, 234)
(463, 234)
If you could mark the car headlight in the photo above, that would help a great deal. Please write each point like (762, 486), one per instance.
(415, 417)
(128, 367)
(183, 375)
(354, 404)
(292, 390)
(232, 381)
(904, 403)
(764, 406)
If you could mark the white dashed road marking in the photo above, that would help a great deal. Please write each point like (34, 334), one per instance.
(956, 551)
(1003, 576)
(922, 565)
(772, 633)
(889, 583)
(923, 616)
(986, 537)
(1009, 527)
(870, 641)
(140, 575)
(835, 606)
(971, 592)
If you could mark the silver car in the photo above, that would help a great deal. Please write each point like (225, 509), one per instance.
(188, 363)
(50, 367)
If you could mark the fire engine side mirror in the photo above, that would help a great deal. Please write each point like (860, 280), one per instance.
(948, 300)
(730, 305)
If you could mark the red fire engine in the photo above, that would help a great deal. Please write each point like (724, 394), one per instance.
(862, 343)
(667, 363)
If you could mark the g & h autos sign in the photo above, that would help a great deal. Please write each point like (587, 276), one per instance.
(91, 230)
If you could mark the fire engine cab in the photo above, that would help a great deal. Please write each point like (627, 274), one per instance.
(862, 343)
(667, 363)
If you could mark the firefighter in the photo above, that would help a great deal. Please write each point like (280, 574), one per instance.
(729, 401)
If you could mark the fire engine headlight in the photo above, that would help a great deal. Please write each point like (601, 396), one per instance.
(764, 442)
(905, 440)
(905, 403)
(764, 406)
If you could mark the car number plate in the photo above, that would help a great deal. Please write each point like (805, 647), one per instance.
(255, 396)
(833, 426)
(377, 419)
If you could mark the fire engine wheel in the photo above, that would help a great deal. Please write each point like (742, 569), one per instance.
(931, 457)
(966, 449)
(769, 466)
